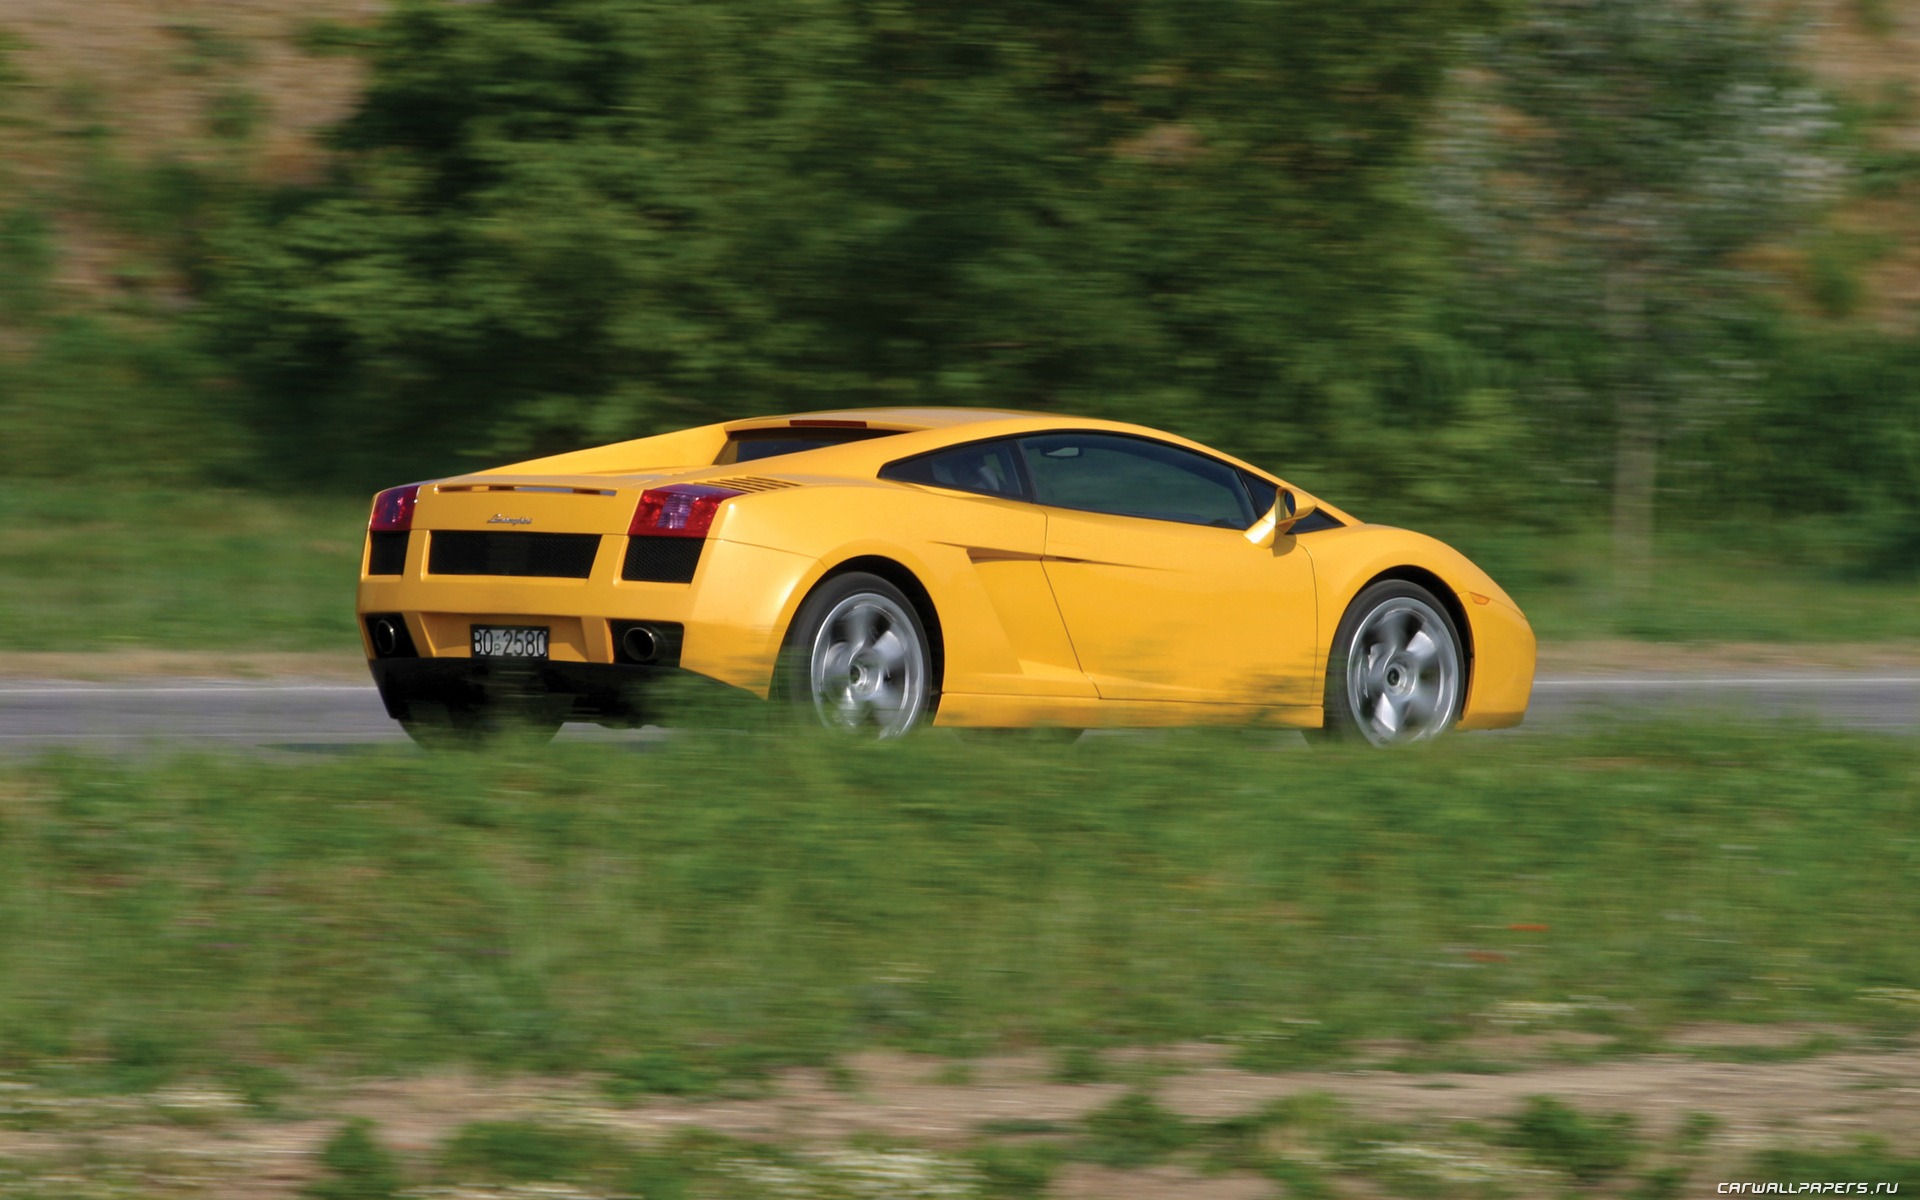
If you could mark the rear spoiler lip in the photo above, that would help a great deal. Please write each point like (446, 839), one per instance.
(586, 483)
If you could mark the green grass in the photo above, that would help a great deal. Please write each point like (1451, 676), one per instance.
(101, 569)
(731, 903)
(1781, 583)
(355, 1166)
(1589, 1149)
(1869, 1160)
(105, 569)
(529, 1158)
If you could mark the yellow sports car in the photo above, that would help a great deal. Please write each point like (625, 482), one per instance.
(886, 569)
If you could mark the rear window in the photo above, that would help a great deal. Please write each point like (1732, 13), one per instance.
(750, 444)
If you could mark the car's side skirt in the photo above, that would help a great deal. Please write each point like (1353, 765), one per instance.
(1066, 712)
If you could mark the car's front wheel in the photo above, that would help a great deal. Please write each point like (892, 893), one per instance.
(1396, 673)
(859, 659)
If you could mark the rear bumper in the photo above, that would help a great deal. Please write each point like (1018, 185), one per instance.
(612, 693)
(734, 614)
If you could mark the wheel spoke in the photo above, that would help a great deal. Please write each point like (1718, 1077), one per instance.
(891, 649)
(847, 708)
(1421, 649)
(1420, 707)
(1376, 670)
(862, 625)
(1393, 631)
(889, 696)
(836, 666)
(1386, 714)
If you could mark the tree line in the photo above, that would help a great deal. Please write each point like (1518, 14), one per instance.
(1464, 255)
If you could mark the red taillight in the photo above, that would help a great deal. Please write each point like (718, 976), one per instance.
(393, 509)
(679, 510)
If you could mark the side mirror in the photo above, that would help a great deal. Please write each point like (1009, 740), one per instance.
(1287, 511)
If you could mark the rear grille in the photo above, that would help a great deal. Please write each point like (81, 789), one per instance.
(543, 555)
(661, 559)
(387, 552)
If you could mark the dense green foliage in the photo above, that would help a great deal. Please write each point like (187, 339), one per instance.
(570, 908)
(1300, 230)
(1627, 155)
(564, 221)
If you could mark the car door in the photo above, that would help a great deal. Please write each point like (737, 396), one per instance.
(1163, 596)
(1007, 637)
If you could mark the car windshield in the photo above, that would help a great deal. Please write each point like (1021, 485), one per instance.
(750, 444)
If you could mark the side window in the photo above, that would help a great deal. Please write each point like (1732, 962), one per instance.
(1135, 477)
(1263, 491)
(988, 468)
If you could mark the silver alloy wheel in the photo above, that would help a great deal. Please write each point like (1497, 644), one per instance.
(1403, 673)
(868, 667)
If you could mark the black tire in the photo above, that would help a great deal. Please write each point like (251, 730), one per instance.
(1405, 690)
(882, 687)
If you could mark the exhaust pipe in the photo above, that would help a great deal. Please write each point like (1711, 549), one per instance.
(386, 637)
(640, 644)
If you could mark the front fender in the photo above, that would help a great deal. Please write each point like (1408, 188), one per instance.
(1500, 643)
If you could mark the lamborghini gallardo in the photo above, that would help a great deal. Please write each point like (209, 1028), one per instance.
(882, 570)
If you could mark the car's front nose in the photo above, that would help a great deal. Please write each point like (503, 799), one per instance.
(1503, 663)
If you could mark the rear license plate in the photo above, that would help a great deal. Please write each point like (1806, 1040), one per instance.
(509, 641)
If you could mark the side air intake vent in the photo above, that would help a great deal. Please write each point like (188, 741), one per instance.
(752, 483)
(539, 555)
(661, 559)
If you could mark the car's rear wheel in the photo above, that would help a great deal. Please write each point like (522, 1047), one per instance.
(1397, 673)
(859, 660)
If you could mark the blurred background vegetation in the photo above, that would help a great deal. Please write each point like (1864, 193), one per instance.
(1601, 291)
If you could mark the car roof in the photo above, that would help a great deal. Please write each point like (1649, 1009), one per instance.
(918, 430)
(921, 430)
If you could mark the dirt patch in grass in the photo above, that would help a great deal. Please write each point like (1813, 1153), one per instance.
(1085, 1181)
(1823, 1101)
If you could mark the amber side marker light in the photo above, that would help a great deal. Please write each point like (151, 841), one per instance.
(1479, 599)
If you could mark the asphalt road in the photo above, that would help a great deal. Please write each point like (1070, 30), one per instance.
(333, 717)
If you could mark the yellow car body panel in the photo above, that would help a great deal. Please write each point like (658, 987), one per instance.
(1184, 613)
(1040, 615)
(1499, 642)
